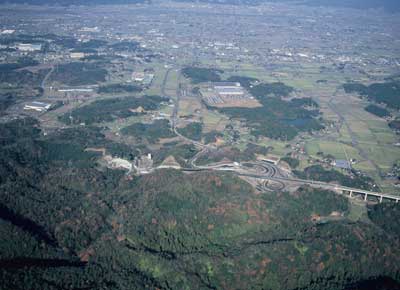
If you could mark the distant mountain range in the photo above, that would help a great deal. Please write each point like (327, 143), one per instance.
(72, 2)
(390, 5)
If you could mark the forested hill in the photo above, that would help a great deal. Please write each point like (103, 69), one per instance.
(73, 2)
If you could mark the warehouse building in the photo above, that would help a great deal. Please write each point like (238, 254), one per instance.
(228, 89)
(29, 47)
(37, 106)
(142, 77)
(227, 85)
(238, 91)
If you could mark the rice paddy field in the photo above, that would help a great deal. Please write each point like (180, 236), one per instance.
(352, 132)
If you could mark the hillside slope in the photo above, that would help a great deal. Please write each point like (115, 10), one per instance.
(68, 223)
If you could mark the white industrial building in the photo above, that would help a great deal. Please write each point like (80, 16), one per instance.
(8, 31)
(77, 55)
(80, 90)
(37, 106)
(226, 89)
(29, 47)
(227, 85)
(138, 76)
(230, 91)
(142, 77)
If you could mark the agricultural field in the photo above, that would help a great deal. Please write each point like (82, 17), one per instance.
(213, 120)
(353, 133)
(131, 158)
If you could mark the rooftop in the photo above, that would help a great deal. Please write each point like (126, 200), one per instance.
(226, 84)
(229, 90)
(37, 106)
(344, 164)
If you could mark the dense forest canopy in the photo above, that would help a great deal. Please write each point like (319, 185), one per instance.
(77, 226)
(107, 110)
(317, 172)
(278, 118)
(377, 111)
(79, 73)
(150, 132)
(116, 187)
(387, 93)
(200, 74)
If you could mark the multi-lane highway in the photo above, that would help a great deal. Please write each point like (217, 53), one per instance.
(273, 178)
(269, 176)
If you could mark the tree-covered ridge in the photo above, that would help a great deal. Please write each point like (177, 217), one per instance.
(79, 73)
(20, 63)
(150, 132)
(387, 93)
(16, 75)
(395, 124)
(317, 172)
(264, 90)
(119, 88)
(107, 110)
(292, 162)
(200, 75)
(181, 153)
(233, 154)
(385, 215)
(23, 78)
(212, 136)
(65, 224)
(192, 131)
(125, 46)
(6, 101)
(377, 111)
(277, 118)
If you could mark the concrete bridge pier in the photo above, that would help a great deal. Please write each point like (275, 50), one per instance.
(351, 193)
(381, 199)
(366, 197)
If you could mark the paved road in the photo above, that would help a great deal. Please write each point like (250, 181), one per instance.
(270, 176)
(43, 84)
(164, 83)
(354, 140)
(181, 92)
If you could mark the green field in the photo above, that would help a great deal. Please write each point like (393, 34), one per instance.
(156, 85)
(371, 134)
